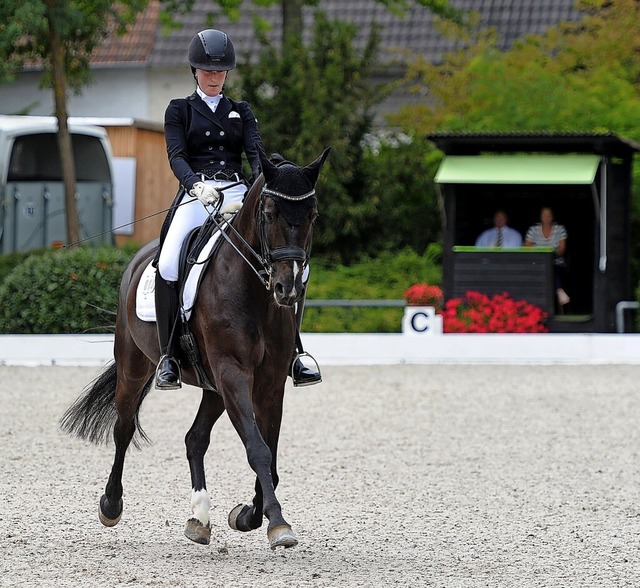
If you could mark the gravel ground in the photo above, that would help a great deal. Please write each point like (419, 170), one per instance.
(444, 476)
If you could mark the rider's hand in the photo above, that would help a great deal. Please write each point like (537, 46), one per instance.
(206, 194)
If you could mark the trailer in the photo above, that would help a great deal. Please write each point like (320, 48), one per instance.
(33, 212)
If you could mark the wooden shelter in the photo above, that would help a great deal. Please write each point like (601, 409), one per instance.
(584, 178)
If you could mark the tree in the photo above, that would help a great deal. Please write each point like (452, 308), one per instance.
(311, 97)
(60, 35)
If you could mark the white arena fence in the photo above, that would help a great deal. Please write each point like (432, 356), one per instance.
(367, 349)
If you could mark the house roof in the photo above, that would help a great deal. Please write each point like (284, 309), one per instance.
(416, 31)
(136, 46)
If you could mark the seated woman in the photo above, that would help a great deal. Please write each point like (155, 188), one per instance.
(548, 233)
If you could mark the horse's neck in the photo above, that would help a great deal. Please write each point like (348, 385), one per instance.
(245, 225)
(245, 221)
(239, 256)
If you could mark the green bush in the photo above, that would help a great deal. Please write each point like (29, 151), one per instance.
(63, 291)
(386, 277)
(76, 291)
(11, 260)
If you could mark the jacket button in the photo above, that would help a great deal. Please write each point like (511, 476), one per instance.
(221, 148)
(208, 133)
(222, 162)
(210, 147)
(222, 133)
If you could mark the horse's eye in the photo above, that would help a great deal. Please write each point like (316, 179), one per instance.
(270, 217)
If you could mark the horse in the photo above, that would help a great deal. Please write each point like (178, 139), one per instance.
(243, 325)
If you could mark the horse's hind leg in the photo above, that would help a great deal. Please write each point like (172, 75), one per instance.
(130, 392)
(198, 527)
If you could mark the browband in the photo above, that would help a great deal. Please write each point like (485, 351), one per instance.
(266, 190)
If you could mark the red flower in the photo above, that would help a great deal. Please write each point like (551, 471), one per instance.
(424, 295)
(477, 313)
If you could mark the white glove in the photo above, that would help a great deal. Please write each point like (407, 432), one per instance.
(206, 194)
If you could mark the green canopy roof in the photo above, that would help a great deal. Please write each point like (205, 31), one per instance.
(518, 169)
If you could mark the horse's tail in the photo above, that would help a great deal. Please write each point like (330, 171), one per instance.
(93, 415)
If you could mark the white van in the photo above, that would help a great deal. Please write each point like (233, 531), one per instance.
(32, 190)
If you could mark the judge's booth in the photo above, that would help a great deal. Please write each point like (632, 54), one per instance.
(584, 178)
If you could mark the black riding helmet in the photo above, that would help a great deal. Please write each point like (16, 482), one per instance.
(211, 50)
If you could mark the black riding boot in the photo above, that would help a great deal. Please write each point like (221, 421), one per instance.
(167, 306)
(301, 374)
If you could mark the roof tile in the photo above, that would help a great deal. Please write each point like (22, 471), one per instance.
(136, 45)
(415, 31)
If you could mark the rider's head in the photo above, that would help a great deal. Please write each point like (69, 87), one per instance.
(211, 56)
(211, 50)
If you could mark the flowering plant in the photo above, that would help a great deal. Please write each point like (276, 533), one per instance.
(424, 295)
(477, 313)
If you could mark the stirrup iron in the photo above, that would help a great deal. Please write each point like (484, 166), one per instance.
(176, 370)
(305, 381)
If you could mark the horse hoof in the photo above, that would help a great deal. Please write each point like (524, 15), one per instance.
(197, 532)
(234, 514)
(282, 536)
(103, 508)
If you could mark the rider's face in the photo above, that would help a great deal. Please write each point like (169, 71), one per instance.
(211, 82)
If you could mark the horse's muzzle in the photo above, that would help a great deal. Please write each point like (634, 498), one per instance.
(287, 292)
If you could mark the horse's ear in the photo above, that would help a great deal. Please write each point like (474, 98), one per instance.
(268, 168)
(312, 171)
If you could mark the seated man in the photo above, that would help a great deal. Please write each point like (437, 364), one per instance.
(500, 235)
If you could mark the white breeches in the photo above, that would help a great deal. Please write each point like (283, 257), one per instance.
(190, 213)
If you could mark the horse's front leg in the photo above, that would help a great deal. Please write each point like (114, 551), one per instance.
(246, 517)
(198, 527)
(261, 459)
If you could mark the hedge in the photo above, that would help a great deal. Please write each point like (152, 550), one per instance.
(63, 291)
(76, 291)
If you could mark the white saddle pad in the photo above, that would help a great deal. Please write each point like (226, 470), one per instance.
(145, 294)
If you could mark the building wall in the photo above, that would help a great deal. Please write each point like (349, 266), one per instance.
(132, 93)
(165, 85)
(122, 92)
(139, 93)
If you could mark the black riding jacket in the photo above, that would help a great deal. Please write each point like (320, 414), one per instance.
(201, 141)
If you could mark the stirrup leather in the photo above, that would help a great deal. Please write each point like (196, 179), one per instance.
(309, 379)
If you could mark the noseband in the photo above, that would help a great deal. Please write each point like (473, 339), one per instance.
(290, 252)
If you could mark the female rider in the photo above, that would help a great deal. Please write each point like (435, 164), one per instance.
(206, 134)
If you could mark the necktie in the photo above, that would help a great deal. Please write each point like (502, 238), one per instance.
(499, 239)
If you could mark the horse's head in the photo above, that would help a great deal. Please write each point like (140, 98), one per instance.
(288, 208)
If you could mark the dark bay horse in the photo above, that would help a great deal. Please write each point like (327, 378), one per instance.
(243, 323)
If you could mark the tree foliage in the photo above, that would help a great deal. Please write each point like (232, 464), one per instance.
(310, 97)
(582, 76)
(82, 26)
(306, 98)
